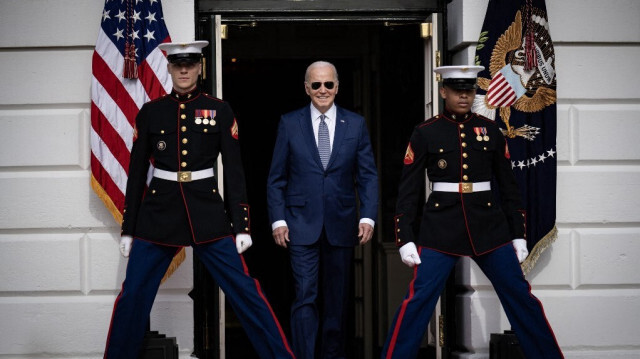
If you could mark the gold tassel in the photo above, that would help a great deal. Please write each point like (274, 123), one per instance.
(102, 194)
(531, 60)
(130, 66)
(535, 253)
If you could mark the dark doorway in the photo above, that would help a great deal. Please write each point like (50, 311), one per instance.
(381, 71)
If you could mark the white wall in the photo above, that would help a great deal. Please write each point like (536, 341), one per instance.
(60, 269)
(589, 281)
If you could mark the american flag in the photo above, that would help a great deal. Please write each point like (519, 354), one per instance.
(128, 70)
(133, 27)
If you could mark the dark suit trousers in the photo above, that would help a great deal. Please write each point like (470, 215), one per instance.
(147, 264)
(330, 266)
(523, 309)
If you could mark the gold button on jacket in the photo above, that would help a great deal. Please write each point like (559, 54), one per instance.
(452, 222)
(181, 212)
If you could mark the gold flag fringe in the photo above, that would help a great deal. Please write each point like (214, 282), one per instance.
(542, 244)
(175, 263)
(102, 194)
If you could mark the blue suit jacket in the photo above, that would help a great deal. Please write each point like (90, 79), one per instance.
(308, 197)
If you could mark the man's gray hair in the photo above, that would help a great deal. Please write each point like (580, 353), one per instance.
(320, 64)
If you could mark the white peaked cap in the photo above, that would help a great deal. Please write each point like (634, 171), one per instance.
(183, 51)
(461, 77)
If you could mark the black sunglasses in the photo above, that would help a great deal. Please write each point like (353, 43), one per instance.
(328, 85)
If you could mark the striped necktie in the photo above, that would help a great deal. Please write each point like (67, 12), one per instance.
(324, 145)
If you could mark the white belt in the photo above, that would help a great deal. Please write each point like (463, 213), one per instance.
(462, 187)
(183, 176)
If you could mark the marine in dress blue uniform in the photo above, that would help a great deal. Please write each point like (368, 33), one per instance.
(465, 156)
(182, 134)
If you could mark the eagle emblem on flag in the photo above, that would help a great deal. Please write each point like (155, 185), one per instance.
(517, 90)
(514, 82)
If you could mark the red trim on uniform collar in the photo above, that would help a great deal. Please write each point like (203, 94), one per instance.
(185, 96)
(457, 118)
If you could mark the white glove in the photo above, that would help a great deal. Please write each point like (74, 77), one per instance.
(520, 245)
(243, 242)
(125, 245)
(409, 254)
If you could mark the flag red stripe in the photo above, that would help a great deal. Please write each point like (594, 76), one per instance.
(114, 87)
(106, 182)
(495, 97)
(500, 93)
(496, 85)
(511, 99)
(499, 79)
(150, 81)
(110, 137)
(497, 91)
(504, 96)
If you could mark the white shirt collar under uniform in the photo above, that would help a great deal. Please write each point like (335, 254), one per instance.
(330, 120)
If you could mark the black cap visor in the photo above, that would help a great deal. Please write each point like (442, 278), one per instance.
(188, 57)
(460, 84)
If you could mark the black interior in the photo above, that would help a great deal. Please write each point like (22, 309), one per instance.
(381, 73)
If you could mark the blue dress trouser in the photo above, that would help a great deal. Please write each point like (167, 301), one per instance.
(523, 309)
(147, 264)
(322, 274)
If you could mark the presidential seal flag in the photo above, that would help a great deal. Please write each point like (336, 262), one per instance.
(128, 70)
(517, 89)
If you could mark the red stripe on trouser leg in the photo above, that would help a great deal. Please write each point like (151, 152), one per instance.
(403, 309)
(266, 302)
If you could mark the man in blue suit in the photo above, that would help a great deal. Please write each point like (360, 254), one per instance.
(322, 157)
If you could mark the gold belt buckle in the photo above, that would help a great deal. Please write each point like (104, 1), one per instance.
(184, 176)
(466, 187)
